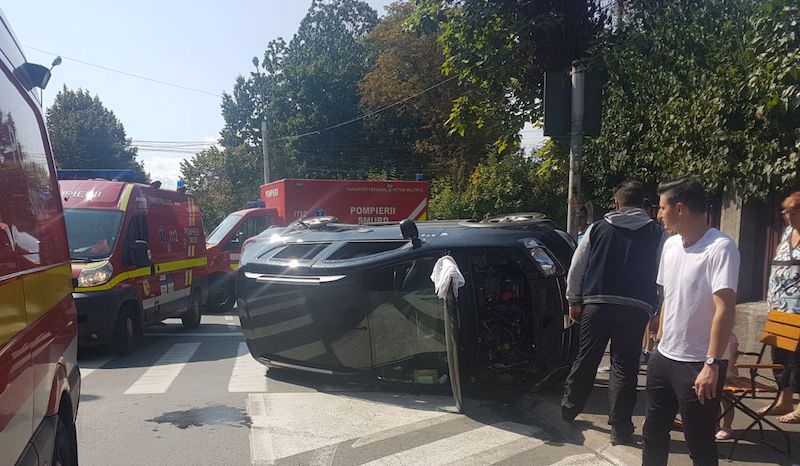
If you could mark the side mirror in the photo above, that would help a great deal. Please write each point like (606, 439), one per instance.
(409, 231)
(139, 254)
(237, 240)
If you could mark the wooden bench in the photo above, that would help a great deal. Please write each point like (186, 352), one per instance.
(781, 330)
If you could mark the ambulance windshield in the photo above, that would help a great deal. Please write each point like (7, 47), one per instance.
(92, 233)
(223, 228)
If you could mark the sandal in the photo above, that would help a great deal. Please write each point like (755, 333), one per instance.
(774, 411)
(791, 418)
(724, 433)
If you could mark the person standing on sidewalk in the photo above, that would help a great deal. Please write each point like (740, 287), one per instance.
(699, 272)
(611, 290)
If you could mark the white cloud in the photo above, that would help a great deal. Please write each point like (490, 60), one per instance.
(164, 167)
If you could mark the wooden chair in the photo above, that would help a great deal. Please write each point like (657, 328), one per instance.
(782, 330)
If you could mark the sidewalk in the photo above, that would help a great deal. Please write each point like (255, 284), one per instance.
(592, 431)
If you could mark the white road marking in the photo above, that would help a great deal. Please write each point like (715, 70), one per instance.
(582, 460)
(401, 430)
(228, 318)
(459, 447)
(90, 366)
(261, 450)
(294, 423)
(160, 376)
(249, 375)
(497, 454)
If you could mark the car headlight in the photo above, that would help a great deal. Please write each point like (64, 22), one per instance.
(542, 258)
(95, 276)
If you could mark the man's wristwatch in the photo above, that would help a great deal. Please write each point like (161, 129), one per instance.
(712, 361)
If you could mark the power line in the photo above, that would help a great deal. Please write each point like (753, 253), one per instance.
(366, 115)
(145, 78)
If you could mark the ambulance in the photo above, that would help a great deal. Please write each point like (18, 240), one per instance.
(138, 257)
(39, 377)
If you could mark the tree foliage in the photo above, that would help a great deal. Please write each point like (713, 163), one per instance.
(85, 134)
(705, 88)
(501, 48)
(414, 136)
(223, 180)
(513, 183)
(309, 84)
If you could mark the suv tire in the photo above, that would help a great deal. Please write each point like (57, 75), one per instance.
(124, 332)
(191, 318)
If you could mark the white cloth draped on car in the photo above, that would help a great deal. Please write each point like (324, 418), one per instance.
(446, 274)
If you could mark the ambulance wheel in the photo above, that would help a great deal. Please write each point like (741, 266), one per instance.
(191, 318)
(65, 448)
(220, 298)
(124, 332)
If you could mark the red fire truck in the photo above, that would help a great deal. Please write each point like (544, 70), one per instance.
(284, 201)
(39, 378)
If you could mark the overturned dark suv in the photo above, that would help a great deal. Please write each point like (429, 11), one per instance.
(358, 300)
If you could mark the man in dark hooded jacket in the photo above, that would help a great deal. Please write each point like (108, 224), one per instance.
(611, 290)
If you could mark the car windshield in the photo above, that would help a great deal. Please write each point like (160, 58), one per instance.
(223, 228)
(92, 233)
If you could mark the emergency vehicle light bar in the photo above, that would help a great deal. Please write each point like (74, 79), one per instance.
(106, 174)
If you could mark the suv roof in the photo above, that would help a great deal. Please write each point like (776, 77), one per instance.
(320, 243)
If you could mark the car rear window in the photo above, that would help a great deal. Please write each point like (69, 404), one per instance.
(300, 251)
(363, 248)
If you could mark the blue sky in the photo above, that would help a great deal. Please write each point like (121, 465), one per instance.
(199, 44)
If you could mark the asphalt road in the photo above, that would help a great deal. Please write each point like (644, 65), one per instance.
(198, 398)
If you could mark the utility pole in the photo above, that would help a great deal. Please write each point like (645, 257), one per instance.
(265, 149)
(575, 148)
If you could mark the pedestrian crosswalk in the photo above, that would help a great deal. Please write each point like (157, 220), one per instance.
(160, 376)
(312, 425)
(248, 374)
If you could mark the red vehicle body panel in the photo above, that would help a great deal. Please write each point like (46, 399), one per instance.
(350, 201)
(169, 221)
(39, 376)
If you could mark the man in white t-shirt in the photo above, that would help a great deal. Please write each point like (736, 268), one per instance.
(699, 272)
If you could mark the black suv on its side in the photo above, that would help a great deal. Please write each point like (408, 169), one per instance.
(359, 300)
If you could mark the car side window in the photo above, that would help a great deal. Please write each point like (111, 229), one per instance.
(137, 230)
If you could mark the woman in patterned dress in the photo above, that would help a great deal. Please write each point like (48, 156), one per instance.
(784, 295)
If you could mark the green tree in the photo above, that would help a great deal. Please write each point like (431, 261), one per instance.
(709, 89)
(222, 180)
(513, 183)
(85, 134)
(414, 136)
(306, 85)
(501, 48)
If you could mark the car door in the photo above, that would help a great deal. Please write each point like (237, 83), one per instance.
(406, 322)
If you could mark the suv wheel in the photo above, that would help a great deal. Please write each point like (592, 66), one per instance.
(65, 448)
(124, 332)
(191, 318)
(220, 298)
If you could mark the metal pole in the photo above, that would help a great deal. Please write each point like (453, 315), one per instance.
(575, 148)
(265, 149)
